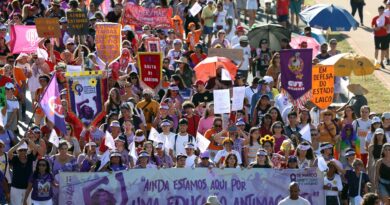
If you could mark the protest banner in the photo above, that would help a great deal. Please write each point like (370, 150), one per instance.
(140, 16)
(85, 95)
(233, 54)
(322, 86)
(78, 23)
(296, 75)
(150, 65)
(48, 27)
(24, 39)
(238, 98)
(190, 186)
(108, 41)
(223, 105)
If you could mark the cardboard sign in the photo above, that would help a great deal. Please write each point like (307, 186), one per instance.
(108, 41)
(150, 65)
(78, 23)
(140, 16)
(48, 27)
(322, 85)
(238, 98)
(233, 54)
(223, 105)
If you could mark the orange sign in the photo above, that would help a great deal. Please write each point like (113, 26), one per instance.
(108, 41)
(48, 27)
(322, 85)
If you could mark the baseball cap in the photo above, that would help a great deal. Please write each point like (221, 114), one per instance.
(205, 154)
(349, 152)
(261, 152)
(180, 155)
(165, 122)
(375, 120)
(23, 146)
(189, 145)
(379, 131)
(240, 28)
(160, 145)
(115, 154)
(143, 154)
(115, 123)
(240, 122)
(244, 39)
(199, 82)
(386, 115)
(183, 121)
(35, 129)
(164, 106)
(127, 28)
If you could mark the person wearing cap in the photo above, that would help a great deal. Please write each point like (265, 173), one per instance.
(115, 129)
(262, 160)
(361, 127)
(208, 19)
(177, 142)
(149, 107)
(375, 123)
(292, 162)
(375, 151)
(121, 146)
(202, 96)
(181, 160)
(204, 161)
(184, 71)
(193, 36)
(166, 160)
(243, 65)
(55, 10)
(143, 160)
(221, 40)
(240, 31)
(192, 118)
(176, 52)
(326, 151)
(22, 169)
(88, 158)
(228, 149)
(191, 157)
(198, 55)
(386, 124)
(115, 164)
(262, 59)
(163, 116)
(260, 104)
(11, 109)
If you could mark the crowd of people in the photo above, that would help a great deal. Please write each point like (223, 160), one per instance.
(352, 140)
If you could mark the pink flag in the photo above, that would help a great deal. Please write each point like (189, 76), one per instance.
(24, 39)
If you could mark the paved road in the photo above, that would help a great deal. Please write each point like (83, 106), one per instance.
(362, 39)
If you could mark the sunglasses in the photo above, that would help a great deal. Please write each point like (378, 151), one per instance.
(217, 125)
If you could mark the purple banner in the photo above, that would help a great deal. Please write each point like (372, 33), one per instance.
(296, 68)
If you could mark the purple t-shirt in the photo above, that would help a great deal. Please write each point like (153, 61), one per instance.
(42, 187)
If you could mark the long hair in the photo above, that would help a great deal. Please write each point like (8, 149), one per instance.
(309, 153)
(383, 149)
(279, 117)
(178, 78)
(273, 126)
(353, 113)
(251, 131)
(47, 170)
(152, 156)
(273, 59)
(375, 140)
(262, 122)
(348, 139)
(227, 158)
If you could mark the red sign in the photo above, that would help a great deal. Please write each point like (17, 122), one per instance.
(154, 17)
(150, 65)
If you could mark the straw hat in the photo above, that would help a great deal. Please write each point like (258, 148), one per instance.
(357, 89)
(327, 111)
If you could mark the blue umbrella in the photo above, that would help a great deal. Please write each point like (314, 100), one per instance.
(324, 16)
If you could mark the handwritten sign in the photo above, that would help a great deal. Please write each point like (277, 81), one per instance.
(150, 65)
(48, 27)
(154, 17)
(108, 41)
(322, 85)
(223, 105)
(78, 23)
(190, 186)
(233, 54)
(238, 98)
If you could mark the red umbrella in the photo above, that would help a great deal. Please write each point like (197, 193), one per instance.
(310, 42)
(208, 68)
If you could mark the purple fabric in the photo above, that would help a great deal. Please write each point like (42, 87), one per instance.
(42, 187)
(296, 66)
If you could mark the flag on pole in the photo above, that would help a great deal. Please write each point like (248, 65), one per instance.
(305, 133)
(51, 105)
(104, 159)
(54, 138)
(133, 152)
(155, 136)
(203, 142)
(109, 141)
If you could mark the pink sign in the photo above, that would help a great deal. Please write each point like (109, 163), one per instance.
(24, 39)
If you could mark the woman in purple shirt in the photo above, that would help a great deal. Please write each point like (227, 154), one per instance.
(41, 184)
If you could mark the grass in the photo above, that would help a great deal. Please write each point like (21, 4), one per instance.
(378, 96)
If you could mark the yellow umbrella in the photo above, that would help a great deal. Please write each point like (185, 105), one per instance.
(346, 63)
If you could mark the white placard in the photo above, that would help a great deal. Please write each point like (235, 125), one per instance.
(238, 98)
(109, 141)
(225, 75)
(155, 136)
(73, 68)
(203, 142)
(221, 101)
(195, 9)
(305, 132)
(54, 138)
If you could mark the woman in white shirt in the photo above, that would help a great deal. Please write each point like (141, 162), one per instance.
(10, 110)
(332, 185)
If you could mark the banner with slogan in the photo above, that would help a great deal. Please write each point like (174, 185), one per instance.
(322, 85)
(86, 95)
(78, 23)
(108, 41)
(150, 65)
(154, 17)
(24, 39)
(296, 75)
(190, 186)
(48, 27)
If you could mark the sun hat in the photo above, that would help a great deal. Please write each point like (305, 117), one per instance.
(357, 89)
(212, 200)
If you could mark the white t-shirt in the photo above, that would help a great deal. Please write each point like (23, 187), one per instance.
(336, 182)
(362, 128)
(190, 161)
(181, 142)
(221, 18)
(235, 40)
(223, 153)
(299, 201)
(246, 54)
(174, 55)
(167, 139)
